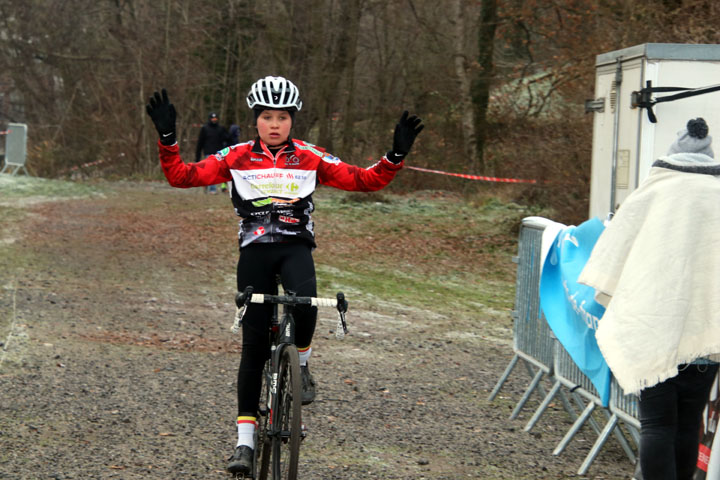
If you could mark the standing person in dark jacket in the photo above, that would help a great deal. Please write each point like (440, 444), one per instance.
(234, 135)
(213, 138)
(274, 177)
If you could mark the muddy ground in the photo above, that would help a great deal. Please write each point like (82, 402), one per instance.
(116, 361)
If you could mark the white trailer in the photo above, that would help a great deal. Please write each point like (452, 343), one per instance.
(625, 141)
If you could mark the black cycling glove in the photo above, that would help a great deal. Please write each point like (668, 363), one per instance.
(162, 113)
(405, 132)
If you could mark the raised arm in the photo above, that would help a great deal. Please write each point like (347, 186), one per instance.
(338, 174)
(178, 173)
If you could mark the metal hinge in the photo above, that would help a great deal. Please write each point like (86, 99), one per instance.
(597, 105)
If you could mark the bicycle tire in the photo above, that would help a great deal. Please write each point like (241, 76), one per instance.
(286, 417)
(263, 450)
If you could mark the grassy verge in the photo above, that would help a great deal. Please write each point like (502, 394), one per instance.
(34, 187)
(431, 250)
(428, 250)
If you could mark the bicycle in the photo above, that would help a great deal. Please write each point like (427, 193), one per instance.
(280, 428)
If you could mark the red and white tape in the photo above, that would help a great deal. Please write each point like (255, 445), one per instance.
(474, 177)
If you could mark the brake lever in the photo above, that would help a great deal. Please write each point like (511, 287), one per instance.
(342, 306)
(241, 303)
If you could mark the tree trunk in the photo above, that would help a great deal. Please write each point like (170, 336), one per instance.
(304, 61)
(467, 116)
(481, 85)
(353, 27)
(337, 67)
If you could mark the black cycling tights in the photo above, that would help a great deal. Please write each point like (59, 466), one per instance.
(259, 264)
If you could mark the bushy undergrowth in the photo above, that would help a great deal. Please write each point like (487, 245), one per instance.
(555, 152)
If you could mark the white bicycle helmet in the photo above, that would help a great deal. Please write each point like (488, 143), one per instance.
(275, 93)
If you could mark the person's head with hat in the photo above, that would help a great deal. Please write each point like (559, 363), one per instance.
(274, 101)
(693, 138)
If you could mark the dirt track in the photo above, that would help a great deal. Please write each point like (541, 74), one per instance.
(117, 362)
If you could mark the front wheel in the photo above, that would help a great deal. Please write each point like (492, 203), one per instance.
(286, 417)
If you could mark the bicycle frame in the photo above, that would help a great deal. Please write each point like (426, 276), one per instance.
(281, 430)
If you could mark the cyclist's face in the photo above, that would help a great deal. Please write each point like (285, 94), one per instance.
(274, 126)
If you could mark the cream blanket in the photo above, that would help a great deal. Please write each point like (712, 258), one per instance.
(656, 269)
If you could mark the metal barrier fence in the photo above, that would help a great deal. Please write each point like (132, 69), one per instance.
(567, 374)
(625, 406)
(622, 408)
(15, 148)
(570, 376)
(532, 339)
(543, 355)
(532, 335)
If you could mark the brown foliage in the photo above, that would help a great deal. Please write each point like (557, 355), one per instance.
(81, 81)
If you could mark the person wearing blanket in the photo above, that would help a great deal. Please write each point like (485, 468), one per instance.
(656, 270)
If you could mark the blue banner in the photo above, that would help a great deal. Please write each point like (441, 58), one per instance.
(569, 307)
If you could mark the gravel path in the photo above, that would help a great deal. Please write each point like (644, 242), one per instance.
(117, 362)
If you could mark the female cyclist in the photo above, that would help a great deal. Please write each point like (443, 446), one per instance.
(273, 179)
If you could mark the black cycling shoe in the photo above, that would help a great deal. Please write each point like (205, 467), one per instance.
(308, 385)
(241, 461)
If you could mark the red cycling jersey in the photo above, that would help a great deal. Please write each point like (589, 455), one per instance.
(273, 193)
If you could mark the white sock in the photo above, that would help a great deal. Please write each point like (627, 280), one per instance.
(304, 355)
(246, 431)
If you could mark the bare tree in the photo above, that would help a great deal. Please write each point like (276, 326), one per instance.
(522, 67)
(462, 70)
(481, 86)
(339, 63)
